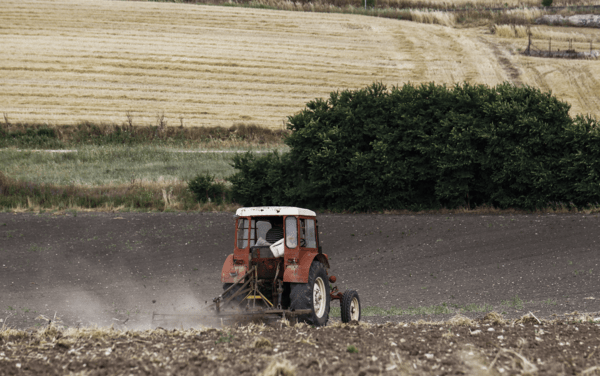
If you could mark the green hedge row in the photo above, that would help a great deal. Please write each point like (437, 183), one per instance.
(426, 147)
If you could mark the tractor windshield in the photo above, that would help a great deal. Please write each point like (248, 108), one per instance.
(260, 231)
(269, 230)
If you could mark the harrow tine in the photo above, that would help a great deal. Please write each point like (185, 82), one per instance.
(218, 298)
(237, 292)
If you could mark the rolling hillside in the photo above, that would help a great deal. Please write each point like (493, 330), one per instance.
(72, 60)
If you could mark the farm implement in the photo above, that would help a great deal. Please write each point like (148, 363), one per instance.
(277, 270)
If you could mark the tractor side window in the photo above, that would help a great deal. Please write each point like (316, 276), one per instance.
(253, 233)
(307, 233)
(291, 232)
(242, 232)
(311, 239)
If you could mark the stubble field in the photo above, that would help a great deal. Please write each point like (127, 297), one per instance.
(474, 347)
(72, 60)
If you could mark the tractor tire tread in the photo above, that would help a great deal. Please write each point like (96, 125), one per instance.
(346, 305)
(301, 295)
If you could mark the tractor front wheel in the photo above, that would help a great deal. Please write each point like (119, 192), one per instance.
(313, 295)
(350, 306)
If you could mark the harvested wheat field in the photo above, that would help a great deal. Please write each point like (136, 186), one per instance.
(72, 60)
(574, 81)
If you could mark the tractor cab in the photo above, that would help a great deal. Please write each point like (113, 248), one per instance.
(280, 241)
(270, 231)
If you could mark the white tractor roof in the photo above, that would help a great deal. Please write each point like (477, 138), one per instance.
(273, 210)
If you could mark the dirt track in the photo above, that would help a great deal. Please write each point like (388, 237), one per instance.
(104, 269)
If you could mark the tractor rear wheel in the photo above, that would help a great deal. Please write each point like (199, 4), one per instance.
(350, 306)
(313, 295)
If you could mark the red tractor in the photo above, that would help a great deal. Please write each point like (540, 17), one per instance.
(278, 267)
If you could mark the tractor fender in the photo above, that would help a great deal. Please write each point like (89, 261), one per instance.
(298, 273)
(231, 273)
(322, 257)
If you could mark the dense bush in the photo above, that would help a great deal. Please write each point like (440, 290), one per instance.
(579, 169)
(427, 147)
(269, 179)
(205, 188)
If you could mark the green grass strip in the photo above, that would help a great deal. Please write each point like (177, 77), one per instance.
(112, 165)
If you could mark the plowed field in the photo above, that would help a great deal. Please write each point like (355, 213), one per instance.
(103, 268)
(459, 347)
(82, 270)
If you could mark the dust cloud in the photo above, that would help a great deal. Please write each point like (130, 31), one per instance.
(125, 305)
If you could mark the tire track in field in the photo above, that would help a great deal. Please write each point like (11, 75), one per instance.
(509, 68)
(585, 86)
(538, 77)
(574, 82)
(483, 67)
(446, 56)
(409, 54)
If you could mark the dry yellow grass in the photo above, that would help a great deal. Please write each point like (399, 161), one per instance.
(439, 18)
(72, 60)
(545, 33)
(529, 14)
(574, 81)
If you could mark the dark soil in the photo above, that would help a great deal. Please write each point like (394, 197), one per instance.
(102, 268)
(81, 270)
(453, 348)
